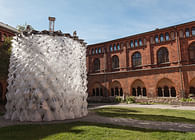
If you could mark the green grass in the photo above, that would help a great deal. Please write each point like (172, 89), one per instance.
(87, 131)
(166, 115)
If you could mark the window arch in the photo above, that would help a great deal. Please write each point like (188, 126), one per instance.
(181, 33)
(92, 51)
(140, 42)
(115, 47)
(162, 55)
(161, 38)
(100, 50)
(115, 62)
(136, 59)
(131, 44)
(172, 35)
(156, 39)
(136, 43)
(96, 51)
(118, 47)
(187, 33)
(96, 65)
(166, 36)
(111, 49)
(193, 31)
(192, 52)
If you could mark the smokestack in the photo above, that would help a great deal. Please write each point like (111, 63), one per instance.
(51, 23)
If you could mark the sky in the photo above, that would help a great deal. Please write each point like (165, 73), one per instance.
(98, 20)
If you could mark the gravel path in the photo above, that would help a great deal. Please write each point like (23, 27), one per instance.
(93, 117)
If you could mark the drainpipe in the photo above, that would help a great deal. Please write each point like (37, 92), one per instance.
(180, 65)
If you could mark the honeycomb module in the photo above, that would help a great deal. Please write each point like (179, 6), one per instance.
(47, 78)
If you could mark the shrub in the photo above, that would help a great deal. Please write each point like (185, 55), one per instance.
(130, 100)
(118, 99)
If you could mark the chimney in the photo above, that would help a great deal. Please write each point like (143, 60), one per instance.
(51, 23)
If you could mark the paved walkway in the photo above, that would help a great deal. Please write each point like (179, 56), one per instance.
(160, 106)
(93, 117)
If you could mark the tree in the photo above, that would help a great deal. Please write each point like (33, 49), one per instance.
(21, 28)
(5, 52)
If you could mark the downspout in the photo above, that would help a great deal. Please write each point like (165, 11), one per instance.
(180, 65)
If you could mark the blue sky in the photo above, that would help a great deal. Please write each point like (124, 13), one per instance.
(98, 20)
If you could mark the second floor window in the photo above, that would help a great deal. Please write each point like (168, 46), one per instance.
(167, 36)
(163, 55)
(96, 65)
(187, 33)
(193, 31)
(115, 62)
(136, 59)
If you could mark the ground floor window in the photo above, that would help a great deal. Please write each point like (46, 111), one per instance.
(139, 91)
(97, 92)
(166, 92)
(116, 91)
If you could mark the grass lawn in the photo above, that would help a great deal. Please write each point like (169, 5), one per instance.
(87, 131)
(167, 115)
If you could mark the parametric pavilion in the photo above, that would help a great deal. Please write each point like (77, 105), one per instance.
(47, 77)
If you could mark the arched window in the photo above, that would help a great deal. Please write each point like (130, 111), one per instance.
(96, 51)
(151, 40)
(187, 32)
(144, 92)
(96, 65)
(138, 91)
(132, 44)
(173, 92)
(181, 33)
(121, 92)
(193, 31)
(172, 35)
(101, 92)
(156, 39)
(136, 59)
(112, 91)
(118, 47)
(192, 90)
(93, 92)
(111, 48)
(140, 42)
(114, 47)
(115, 62)
(166, 91)
(160, 93)
(145, 42)
(99, 50)
(192, 52)
(133, 91)
(167, 36)
(136, 43)
(116, 91)
(161, 38)
(97, 92)
(92, 51)
(163, 55)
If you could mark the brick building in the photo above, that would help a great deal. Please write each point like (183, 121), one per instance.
(5, 31)
(155, 64)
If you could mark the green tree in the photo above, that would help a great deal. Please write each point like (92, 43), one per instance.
(21, 28)
(5, 52)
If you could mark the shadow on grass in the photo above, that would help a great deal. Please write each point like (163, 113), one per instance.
(130, 113)
(77, 129)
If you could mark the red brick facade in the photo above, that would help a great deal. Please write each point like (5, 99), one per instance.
(160, 63)
(5, 31)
